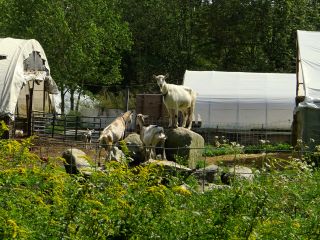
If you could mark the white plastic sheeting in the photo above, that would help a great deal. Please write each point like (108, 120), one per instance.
(241, 100)
(309, 67)
(12, 71)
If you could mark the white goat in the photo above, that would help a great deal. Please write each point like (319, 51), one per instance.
(88, 137)
(177, 98)
(150, 136)
(113, 133)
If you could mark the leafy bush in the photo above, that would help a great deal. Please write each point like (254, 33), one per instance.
(280, 147)
(38, 200)
(224, 149)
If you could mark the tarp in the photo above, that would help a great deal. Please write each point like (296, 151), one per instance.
(309, 67)
(13, 73)
(243, 100)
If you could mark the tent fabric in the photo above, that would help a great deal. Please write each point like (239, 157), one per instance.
(13, 76)
(309, 67)
(242, 100)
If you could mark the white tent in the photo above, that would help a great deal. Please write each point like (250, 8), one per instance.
(307, 114)
(309, 67)
(23, 61)
(242, 100)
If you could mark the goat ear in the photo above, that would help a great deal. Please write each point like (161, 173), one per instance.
(154, 76)
(166, 76)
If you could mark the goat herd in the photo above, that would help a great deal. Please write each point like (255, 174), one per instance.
(175, 97)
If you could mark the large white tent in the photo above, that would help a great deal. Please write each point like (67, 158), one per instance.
(22, 62)
(307, 112)
(309, 67)
(243, 100)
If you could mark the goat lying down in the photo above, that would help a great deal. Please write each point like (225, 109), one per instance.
(177, 98)
(150, 136)
(113, 133)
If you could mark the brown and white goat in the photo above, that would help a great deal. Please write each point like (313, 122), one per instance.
(150, 136)
(113, 133)
(177, 98)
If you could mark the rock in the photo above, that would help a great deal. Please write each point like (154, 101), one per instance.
(184, 143)
(209, 173)
(135, 147)
(169, 165)
(76, 162)
(118, 155)
(240, 172)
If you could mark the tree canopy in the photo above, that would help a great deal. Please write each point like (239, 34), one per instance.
(96, 43)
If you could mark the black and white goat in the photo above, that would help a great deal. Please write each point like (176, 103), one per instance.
(150, 136)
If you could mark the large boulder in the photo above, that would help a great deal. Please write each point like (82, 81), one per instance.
(135, 146)
(76, 162)
(184, 143)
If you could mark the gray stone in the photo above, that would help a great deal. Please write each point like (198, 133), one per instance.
(239, 172)
(118, 155)
(168, 165)
(76, 162)
(209, 173)
(242, 172)
(135, 147)
(184, 143)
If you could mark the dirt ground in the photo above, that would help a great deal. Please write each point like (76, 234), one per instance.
(253, 160)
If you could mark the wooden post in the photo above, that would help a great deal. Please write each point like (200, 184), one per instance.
(29, 114)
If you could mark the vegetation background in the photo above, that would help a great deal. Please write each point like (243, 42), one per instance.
(103, 46)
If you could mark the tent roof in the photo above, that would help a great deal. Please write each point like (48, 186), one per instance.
(13, 77)
(241, 85)
(309, 64)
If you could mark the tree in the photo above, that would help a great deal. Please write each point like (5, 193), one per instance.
(162, 35)
(83, 40)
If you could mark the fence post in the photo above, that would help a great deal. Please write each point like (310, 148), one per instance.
(77, 122)
(53, 124)
(64, 126)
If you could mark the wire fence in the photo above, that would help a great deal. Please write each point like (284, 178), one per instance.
(74, 127)
(208, 169)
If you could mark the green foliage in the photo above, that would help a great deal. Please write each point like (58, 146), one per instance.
(223, 149)
(3, 128)
(38, 200)
(279, 147)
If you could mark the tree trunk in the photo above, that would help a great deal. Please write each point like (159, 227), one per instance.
(72, 99)
(62, 101)
(78, 102)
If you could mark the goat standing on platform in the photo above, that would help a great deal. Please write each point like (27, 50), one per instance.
(113, 133)
(177, 98)
(150, 136)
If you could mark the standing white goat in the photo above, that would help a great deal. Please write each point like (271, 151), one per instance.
(150, 136)
(113, 133)
(177, 98)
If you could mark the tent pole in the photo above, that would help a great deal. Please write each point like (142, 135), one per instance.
(30, 106)
(44, 98)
